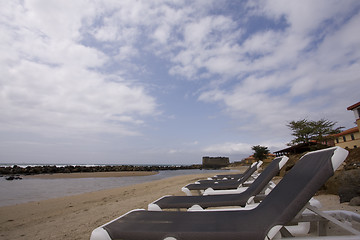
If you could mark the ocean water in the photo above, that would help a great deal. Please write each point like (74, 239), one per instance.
(27, 190)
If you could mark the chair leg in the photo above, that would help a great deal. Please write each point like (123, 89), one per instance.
(322, 228)
(285, 233)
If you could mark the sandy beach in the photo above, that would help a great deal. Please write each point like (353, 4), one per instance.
(74, 217)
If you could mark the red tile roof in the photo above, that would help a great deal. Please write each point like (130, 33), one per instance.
(353, 106)
(348, 131)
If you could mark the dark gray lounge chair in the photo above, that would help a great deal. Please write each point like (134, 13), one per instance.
(238, 199)
(220, 185)
(232, 176)
(280, 207)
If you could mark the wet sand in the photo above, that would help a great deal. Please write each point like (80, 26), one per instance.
(74, 217)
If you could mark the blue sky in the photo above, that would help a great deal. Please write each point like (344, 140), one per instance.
(167, 82)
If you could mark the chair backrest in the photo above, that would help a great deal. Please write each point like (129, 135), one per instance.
(248, 174)
(220, 176)
(300, 184)
(253, 164)
(265, 177)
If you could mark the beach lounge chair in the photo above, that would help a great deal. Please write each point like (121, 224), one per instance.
(220, 185)
(232, 176)
(281, 206)
(238, 199)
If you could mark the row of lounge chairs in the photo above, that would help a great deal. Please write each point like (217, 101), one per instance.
(221, 184)
(223, 195)
(284, 210)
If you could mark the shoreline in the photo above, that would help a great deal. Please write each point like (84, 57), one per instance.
(53, 169)
(91, 174)
(74, 217)
(47, 186)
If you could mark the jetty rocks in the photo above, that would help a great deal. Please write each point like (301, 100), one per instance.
(10, 178)
(32, 170)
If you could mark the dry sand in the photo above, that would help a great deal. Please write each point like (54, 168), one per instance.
(74, 217)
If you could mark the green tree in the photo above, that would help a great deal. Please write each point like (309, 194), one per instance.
(323, 129)
(260, 152)
(305, 130)
(301, 130)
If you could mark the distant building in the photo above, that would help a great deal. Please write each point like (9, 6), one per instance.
(350, 138)
(215, 162)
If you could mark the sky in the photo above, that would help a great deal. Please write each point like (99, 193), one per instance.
(167, 82)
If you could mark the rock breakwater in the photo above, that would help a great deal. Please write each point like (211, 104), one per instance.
(50, 169)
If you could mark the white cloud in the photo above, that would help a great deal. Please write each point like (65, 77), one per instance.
(59, 20)
(173, 151)
(263, 43)
(162, 34)
(305, 16)
(286, 80)
(82, 100)
(48, 78)
(209, 43)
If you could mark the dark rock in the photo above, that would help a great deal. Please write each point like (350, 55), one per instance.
(10, 178)
(349, 185)
(333, 184)
(346, 193)
(355, 201)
